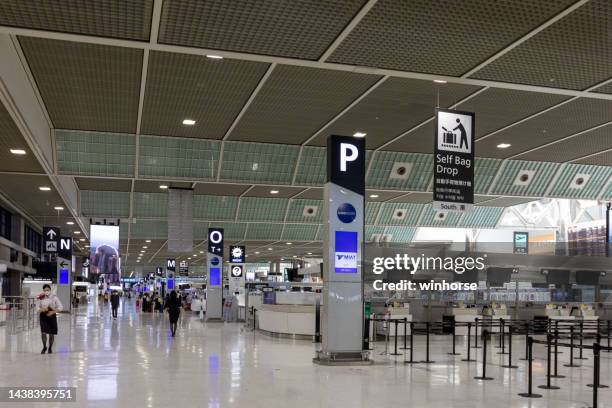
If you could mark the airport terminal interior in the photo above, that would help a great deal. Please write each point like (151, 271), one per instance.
(315, 203)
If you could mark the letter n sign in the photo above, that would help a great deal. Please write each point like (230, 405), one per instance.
(65, 248)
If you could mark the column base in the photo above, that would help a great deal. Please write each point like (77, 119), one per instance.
(342, 358)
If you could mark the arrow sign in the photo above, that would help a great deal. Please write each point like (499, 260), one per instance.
(64, 264)
(51, 238)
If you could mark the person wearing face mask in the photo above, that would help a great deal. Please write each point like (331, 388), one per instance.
(48, 307)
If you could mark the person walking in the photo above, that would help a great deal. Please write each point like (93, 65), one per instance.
(173, 306)
(48, 307)
(114, 300)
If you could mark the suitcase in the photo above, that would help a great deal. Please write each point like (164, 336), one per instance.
(450, 138)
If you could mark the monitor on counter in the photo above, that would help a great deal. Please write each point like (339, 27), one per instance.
(587, 277)
(557, 276)
(498, 276)
(470, 276)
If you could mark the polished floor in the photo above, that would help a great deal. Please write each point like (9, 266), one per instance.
(134, 362)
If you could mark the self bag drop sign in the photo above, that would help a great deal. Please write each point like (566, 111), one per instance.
(454, 161)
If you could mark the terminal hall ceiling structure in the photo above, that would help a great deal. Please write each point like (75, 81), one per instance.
(96, 93)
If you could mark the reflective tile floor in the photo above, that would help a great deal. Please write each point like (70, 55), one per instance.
(133, 362)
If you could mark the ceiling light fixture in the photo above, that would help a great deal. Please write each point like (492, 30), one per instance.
(218, 57)
(503, 145)
(374, 195)
(189, 122)
(82, 239)
(289, 243)
(273, 191)
(145, 247)
(439, 81)
(69, 223)
(163, 187)
(44, 188)
(148, 240)
(77, 232)
(309, 253)
(256, 253)
(58, 208)
(269, 249)
(359, 134)
(20, 152)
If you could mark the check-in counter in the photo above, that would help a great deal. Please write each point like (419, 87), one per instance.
(465, 315)
(287, 319)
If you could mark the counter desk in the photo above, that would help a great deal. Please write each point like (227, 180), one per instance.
(287, 320)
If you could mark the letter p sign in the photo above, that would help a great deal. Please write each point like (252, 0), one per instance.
(348, 153)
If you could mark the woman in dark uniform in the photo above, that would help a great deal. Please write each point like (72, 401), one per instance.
(173, 306)
(48, 307)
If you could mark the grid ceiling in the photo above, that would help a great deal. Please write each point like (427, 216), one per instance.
(117, 106)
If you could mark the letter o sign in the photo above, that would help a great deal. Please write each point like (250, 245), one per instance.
(215, 237)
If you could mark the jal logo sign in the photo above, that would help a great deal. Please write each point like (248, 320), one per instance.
(346, 162)
(455, 131)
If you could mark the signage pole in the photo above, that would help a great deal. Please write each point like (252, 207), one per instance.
(214, 275)
(342, 309)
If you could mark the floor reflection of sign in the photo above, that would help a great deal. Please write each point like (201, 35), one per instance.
(346, 252)
(521, 242)
(454, 161)
(237, 271)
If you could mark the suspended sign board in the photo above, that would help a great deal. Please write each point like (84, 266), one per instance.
(454, 161)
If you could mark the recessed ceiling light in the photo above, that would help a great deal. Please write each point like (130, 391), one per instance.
(439, 81)
(145, 247)
(201, 252)
(374, 195)
(289, 243)
(82, 239)
(195, 255)
(359, 134)
(148, 240)
(189, 258)
(77, 232)
(309, 253)
(18, 151)
(273, 191)
(269, 249)
(214, 57)
(503, 145)
(256, 253)
(163, 186)
(142, 252)
(58, 208)
(69, 223)
(44, 188)
(138, 260)
(189, 122)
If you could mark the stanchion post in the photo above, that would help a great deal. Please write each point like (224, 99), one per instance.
(526, 342)
(608, 337)
(405, 333)
(581, 340)
(427, 360)
(469, 337)
(476, 333)
(411, 344)
(454, 352)
(484, 357)
(510, 365)
(502, 334)
(395, 353)
(571, 362)
(548, 386)
(529, 393)
(596, 350)
(557, 375)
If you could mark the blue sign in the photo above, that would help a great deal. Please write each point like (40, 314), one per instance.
(214, 261)
(215, 277)
(346, 213)
(64, 276)
(170, 284)
(345, 255)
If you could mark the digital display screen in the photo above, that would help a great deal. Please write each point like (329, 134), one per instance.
(499, 276)
(64, 277)
(170, 284)
(215, 277)
(587, 277)
(558, 277)
(104, 252)
(345, 259)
